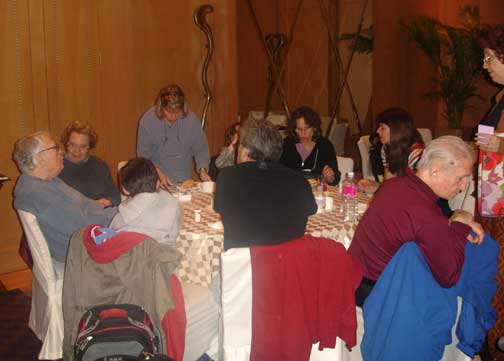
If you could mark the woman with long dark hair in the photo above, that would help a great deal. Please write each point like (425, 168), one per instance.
(402, 144)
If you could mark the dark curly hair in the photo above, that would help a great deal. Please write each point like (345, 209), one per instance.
(492, 37)
(403, 135)
(312, 119)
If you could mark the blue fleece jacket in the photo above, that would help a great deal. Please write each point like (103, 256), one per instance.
(409, 315)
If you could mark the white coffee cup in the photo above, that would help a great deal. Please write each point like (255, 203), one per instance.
(207, 187)
(329, 203)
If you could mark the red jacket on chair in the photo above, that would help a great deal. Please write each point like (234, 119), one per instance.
(302, 293)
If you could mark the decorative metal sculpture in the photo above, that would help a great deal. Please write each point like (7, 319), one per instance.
(275, 43)
(200, 20)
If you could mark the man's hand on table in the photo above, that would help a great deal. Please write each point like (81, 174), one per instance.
(164, 181)
(204, 175)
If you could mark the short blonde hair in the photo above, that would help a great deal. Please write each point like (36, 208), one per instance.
(80, 128)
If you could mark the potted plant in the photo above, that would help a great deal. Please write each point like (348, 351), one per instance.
(455, 54)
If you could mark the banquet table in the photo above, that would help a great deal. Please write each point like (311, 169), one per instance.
(201, 242)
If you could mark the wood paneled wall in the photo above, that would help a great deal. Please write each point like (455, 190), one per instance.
(306, 73)
(104, 62)
(402, 73)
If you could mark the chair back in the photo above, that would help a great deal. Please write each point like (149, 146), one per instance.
(337, 137)
(43, 268)
(236, 301)
(46, 314)
(120, 165)
(236, 308)
(468, 204)
(345, 165)
(364, 145)
(426, 135)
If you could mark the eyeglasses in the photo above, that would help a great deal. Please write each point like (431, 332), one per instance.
(302, 130)
(77, 147)
(487, 58)
(55, 146)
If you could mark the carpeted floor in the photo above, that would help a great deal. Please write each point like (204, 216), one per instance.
(17, 342)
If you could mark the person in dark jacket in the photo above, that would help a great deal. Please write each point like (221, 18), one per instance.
(306, 151)
(262, 202)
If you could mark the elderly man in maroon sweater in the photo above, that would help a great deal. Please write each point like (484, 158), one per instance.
(405, 209)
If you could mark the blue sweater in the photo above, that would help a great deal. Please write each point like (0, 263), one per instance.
(409, 313)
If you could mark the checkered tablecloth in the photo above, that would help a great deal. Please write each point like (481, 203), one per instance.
(201, 244)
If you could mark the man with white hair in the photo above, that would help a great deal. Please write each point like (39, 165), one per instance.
(404, 209)
(60, 209)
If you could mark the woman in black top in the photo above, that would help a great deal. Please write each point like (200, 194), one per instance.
(306, 151)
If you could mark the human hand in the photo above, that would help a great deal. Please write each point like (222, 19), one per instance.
(204, 175)
(328, 174)
(369, 186)
(479, 233)
(462, 216)
(164, 181)
(104, 202)
(488, 142)
(235, 139)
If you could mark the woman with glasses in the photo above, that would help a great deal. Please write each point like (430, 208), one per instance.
(492, 43)
(84, 172)
(170, 135)
(306, 151)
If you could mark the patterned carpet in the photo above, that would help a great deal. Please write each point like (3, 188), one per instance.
(17, 343)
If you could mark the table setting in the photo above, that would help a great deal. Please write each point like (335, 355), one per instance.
(201, 238)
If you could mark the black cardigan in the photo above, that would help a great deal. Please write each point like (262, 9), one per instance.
(322, 154)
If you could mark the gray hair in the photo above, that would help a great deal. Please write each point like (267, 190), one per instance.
(26, 148)
(262, 140)
(447, 151)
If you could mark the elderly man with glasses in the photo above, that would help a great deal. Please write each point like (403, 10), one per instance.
(60, 209)
(170, 135)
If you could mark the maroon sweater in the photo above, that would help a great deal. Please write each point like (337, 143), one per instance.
(404, 209)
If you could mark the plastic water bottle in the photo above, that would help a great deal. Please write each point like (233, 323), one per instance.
(349, 192)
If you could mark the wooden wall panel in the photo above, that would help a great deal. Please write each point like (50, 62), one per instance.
(306, 74)
(402, 74)
(17, 116)
(104, 62)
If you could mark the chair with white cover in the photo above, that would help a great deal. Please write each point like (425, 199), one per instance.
(46, 315)
(120, 165)
(426, 135)
(236, 303)
(364, 145)
(463, 201)
(345, 165)
(337, 137)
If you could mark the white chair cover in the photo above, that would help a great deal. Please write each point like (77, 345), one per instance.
(46, 315)
(426, 135)
(363, 144)
(345, 165)
(468, 204)
(120, 165)
(337, 137)
(236, 285)
(236, 301)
